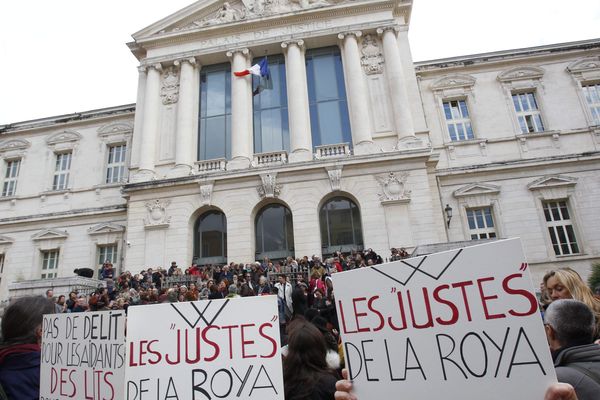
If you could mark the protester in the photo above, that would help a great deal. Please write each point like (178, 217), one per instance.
(570, 328)
(20, 348)
(565, 283)
(305, 371)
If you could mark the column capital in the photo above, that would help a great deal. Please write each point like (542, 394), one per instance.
(142, 69)
(156, 66)
(288, 43)
(393, 28)
(343, 35)
(190, 60)
(231, 53)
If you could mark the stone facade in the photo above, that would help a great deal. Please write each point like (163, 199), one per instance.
(401, 169)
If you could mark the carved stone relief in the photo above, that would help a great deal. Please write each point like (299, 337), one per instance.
(169, 89)
(372, 58)
(269, 186)
(206, 190)
(157, 214)
(335, 177)
(393, 187)
(249, 9)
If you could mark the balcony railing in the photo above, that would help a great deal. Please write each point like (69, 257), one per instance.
(206, 166)
(333, 151)
(273, 158)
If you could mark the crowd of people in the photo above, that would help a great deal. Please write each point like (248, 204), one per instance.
(312, 357)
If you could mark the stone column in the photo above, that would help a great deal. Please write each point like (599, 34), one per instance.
(138, 119)
(297, 95)
(241, 116)
(357, 94)
(150, 123)
(184, 136)
(395, 75)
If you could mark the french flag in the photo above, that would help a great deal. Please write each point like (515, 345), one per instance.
(261, 70)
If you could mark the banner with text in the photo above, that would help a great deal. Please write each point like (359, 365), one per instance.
(228, 349)
(464, 323)
(83, 356)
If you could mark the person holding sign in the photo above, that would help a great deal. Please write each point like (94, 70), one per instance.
(20, 349)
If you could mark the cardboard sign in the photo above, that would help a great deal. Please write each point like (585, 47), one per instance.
(83, 356)
(227, 349)
(462, 324)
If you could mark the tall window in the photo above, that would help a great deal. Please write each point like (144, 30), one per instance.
(49, 264)
(210, 238)
(327, 97)
(560, 227)
(592, 97)
(341, 228)
(271, 128)
(215, 112)
(107, 253)
(115, 167)
(274, 232)
(61, 171)
(458, 120)
(528, 112)
(9, 186)
(481, 223)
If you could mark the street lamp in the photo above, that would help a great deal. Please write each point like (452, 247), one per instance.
(448, 211)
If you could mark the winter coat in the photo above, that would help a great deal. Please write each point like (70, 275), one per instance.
(568, 360)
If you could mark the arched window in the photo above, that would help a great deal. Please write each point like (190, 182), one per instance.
(274, 232)
(340, 226)
(210, 238)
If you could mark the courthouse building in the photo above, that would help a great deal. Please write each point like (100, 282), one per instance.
(354, 146)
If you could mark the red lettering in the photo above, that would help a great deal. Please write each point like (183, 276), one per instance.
(187, 347)
(381, 319)
(344, 319)
(229, 328)
(533, 306)
(131, 355)
(107, 381)
(402, 314)
(436, 296)
(462, 286)
(357, 314)
(153, 352)
(269, 338)
(485, 298)
(429, 322)
(210, 342)
(245, 342)
(178, 351)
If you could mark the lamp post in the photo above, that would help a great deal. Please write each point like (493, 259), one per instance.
(448, 211)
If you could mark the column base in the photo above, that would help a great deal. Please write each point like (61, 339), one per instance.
(300, 156)
(179, 171)
(238, 163)
(143, 175)
(365, 148)
(412, 142)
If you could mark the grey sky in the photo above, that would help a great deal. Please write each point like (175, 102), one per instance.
(64, 56)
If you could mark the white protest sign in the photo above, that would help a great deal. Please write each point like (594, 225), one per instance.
(83, 356)
(462, 324)
(226, 349)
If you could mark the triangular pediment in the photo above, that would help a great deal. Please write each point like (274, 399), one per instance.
(49, 234)
(115, 128)
(585, 64)
(6, 240)
(206, 14)
(14, 144)
(521, 72)
(552, 182)
(106, 227)
(475, 189)
(453, 81)
(63, 137)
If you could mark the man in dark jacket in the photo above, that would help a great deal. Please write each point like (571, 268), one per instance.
(570, 332)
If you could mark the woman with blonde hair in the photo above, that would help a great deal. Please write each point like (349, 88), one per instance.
(566, 283)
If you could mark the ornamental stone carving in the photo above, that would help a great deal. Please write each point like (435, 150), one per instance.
(206, 190)
(269, 187)
(393, 187)
(157, 214)
(372, 58)
(169, 88)
(335, 177)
